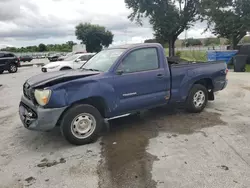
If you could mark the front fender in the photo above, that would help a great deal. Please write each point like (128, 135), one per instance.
(65, 94)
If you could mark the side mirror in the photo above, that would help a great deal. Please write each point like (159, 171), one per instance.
(119, 72)
(77, 60)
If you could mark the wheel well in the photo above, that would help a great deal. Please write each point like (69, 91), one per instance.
(98, 102)
(65, 68)
(207, 82)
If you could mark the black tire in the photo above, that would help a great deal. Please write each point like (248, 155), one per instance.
(190, 103)
(12, 68)
(1, 71)
(65, 68)
(69, 117)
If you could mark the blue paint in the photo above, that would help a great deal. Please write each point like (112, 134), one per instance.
(226, 55)
(130, 92)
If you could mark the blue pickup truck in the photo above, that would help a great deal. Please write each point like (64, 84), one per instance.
(116, 82)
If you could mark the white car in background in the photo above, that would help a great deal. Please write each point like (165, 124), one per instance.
(71, 62)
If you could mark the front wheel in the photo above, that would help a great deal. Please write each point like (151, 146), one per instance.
(12, 68)
(197, 99)
(81, 124)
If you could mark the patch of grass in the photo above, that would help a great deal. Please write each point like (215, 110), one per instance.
(247, 68)
(192, 55)
(197, 55)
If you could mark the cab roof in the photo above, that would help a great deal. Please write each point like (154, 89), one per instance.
(129, 46)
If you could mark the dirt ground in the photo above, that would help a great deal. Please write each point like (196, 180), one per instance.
(161, 148)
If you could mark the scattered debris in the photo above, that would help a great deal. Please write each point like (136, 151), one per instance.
(114, 143)
(44, 160)
(46, 163)
(186, 140)
(185, 162)
(136, 177)
(235, 181)
(62, 160)
(89, 151)
(30, 179)
(4, 155)
(174, 135)
(169, 137)
(47, 180)
(223, 167)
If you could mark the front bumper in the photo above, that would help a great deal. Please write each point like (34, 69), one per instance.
(37, 118)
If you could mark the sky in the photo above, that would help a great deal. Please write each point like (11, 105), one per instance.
(31, 22)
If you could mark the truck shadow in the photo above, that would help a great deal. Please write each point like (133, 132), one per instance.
(124, 146)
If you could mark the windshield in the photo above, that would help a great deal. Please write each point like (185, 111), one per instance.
(71, 58)
(103, 60)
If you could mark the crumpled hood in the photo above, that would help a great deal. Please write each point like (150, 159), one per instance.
(52, 78)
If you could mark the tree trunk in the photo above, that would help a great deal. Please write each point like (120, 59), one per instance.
(171, 43)
(234, 43)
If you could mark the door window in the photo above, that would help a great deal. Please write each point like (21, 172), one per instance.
(140, 60)
(9, 55)
(85, 57)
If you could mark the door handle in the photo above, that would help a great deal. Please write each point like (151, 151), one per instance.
(159, 75)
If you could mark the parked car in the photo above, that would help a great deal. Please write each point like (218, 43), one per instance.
(116, 82)
(54, 58)
(72, 62)
(62, 58)
(25, 58)
(8, 62)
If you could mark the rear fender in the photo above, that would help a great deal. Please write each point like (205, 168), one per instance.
(187, 85)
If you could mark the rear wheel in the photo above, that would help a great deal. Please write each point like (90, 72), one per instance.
(197, 99)
(81, 124)
(12, 68)
(1, 71)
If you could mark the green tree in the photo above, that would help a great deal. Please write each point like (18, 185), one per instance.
(42, 47)
(169, 18)
(229, 19)
(192, 42)
(93, 36)
(245, 40)
(211, 42)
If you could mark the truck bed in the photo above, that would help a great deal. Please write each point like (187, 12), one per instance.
(182, 72)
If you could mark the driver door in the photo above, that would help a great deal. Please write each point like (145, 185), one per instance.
(142, 83)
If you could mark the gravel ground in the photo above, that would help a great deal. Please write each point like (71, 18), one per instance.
(162, 148)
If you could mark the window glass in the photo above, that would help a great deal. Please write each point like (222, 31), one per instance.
(85, 57)
(103, 60)
(140, 60)
(9, 55)
(1, 55)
